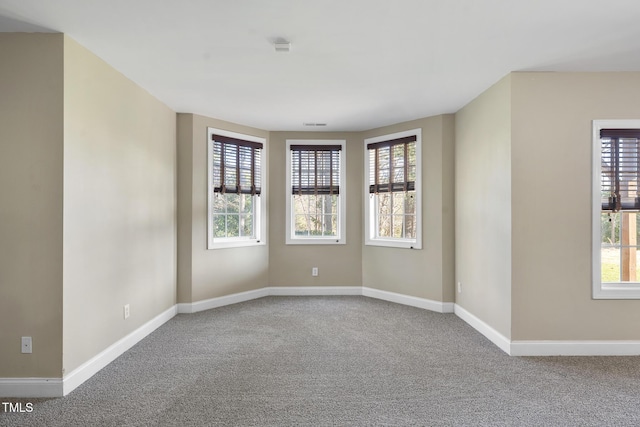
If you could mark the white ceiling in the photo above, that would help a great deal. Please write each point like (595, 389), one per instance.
(354, 64)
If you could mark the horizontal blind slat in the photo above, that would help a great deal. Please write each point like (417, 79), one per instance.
(620, 169)
(392, 165)
(315, 169)
(236, 166)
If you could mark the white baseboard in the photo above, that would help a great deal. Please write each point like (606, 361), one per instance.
(265, 292)
(437, 306)
(427, 304)
(31, 387)
(58, 387)
(102, 359)
(313, 290)
(492, 335)
(549, 348)
(575, 348)
(208, 304)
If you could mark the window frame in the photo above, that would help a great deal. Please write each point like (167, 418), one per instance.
(606, 290)
(260, 208)
(341, 239)
(370, 211)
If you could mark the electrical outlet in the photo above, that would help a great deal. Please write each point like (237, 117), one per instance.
(26, 345)
(314, 271)
(126, 311)
(459, 287)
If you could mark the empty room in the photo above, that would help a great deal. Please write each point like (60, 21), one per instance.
(421, 212)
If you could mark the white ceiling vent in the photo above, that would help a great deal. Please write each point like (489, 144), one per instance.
(282, 45)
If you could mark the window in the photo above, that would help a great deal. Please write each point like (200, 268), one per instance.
(393, 191)
(616, 222)
(315, 184)
(236, 202)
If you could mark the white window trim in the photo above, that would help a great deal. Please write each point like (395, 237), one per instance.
(616, 290)
(341, 239)
(261, 207)
(370, 212)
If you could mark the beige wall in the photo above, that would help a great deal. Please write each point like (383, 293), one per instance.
(119, 206)
(483, 206)
(217, 272)
(551, 205)
(91, 179)
(338, 265)
(31, 179)
(428, 272)
(184, 146)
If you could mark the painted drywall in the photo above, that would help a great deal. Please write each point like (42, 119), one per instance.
(552, 117)
(119, 205)
(184, 152)
(448, 220)
(483, 206)
(427, 272)
(31, 185)
(338, 265)
(213, 272)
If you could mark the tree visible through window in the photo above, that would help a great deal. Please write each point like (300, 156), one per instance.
(316, 204)
(235, 180)
(233, 215)
(620, 200)
(392, 174)
(392, 183)
(315, 178)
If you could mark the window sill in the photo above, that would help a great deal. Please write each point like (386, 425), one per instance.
(235, 244)
(316, 241)
(616, 291)
(394, 243)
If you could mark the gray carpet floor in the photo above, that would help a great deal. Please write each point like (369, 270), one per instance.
(333, 361)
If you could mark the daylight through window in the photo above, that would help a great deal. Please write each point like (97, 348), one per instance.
(392, 171)
(316, 192)
(235, 189)
(616, 202)
(620, 168)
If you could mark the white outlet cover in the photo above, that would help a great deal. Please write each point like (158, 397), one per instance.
(26, 345)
